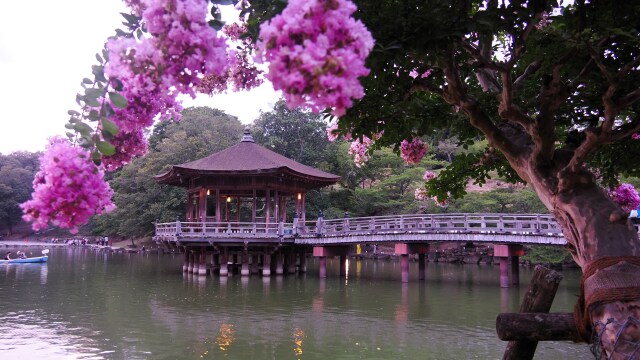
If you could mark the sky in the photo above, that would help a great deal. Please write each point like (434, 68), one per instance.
(48, 47)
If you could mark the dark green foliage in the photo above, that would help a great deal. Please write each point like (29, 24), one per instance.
(17, 171)
(139, 199)
(547, 255)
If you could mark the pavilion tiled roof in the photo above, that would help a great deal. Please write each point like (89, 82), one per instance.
(245, 158)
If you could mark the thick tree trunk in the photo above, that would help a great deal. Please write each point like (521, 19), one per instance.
(605, 245)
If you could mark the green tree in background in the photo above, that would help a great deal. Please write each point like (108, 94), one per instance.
(16, 177)
(139, 199)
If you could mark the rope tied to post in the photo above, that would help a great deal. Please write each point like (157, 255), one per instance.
(604, 287)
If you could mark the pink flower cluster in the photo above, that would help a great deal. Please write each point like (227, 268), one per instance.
(421, 194)
(68, 189)
(429, 175)
(626, 196)
(242, 73)
(636, 136)
(154, 71)
(316, 52)
(360, 149)
(412, 152)
(333, 134)
(133, 143)
(414, 73)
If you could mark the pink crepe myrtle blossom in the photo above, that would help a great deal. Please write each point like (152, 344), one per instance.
(420, 194)
(441, 203)
(626, 196)
(412, 152)
(316, 52)
(414, 73)
(68, 189)
(155, 70)
(636, 136)
(429, 175)
(359, 149)
(332, 131)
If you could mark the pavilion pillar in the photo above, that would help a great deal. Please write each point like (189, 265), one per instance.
(291, 263)
(202, 270)
(244, 271)
(422, 266)
(343, 265)
(185, 264)
(224, 263)
(404, 250)
(504, 253)
(254, 264)
(303, 262)
(323, 267)
(266, 265)
(279, 263)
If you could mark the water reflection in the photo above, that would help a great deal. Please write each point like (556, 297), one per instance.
(225, 336)
(298, 336)
(120, 306)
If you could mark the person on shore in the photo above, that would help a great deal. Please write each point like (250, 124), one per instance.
(7, 256)
(21, 255)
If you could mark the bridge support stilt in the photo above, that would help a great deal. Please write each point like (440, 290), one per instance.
(422, 266)
(266, 265)
(202, 269)
(303, 262)
(404, 267)
(504, 253)
(224, 263)
(323, 267)
(215, 262)
(244, 270)
(185, 264)
(279, 263)
(291, 262)
(343, 266)
(515, 270)
(324, 251)
(404, 250)
(254, 264)
(191, 260)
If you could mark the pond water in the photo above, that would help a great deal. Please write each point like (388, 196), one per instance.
(86, 304)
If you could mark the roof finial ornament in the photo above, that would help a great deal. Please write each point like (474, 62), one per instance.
(247, 135)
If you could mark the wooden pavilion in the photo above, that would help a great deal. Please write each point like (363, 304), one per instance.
(239, 199)
(246, 183)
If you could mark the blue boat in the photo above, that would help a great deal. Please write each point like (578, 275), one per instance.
(39, 259)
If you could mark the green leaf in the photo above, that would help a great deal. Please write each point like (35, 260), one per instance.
(107, 111)
(98, 72)
(73, 113)
(99, 58)
(216, 24)
(96, 157)
(83, 128)
(116, 84)
(94, 93)
(90, 101)
(87, 81)
(223, 2)
(106, 148)
(118, 100)
(110, 127)
(93, 115)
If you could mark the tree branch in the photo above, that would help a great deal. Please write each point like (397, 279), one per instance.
(531, 69)
(455, 93)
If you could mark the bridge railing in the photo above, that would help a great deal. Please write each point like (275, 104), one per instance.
(479, 223)
(528, 224)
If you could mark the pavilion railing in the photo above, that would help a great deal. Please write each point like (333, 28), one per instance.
(213, 229)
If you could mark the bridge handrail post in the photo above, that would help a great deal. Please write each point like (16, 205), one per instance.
(178, 226)
(501, 224)
(466, 222)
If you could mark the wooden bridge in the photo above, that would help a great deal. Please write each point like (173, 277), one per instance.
(489, 228)
(253, 246)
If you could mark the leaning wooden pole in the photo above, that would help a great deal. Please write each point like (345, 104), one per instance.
(538, 299)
